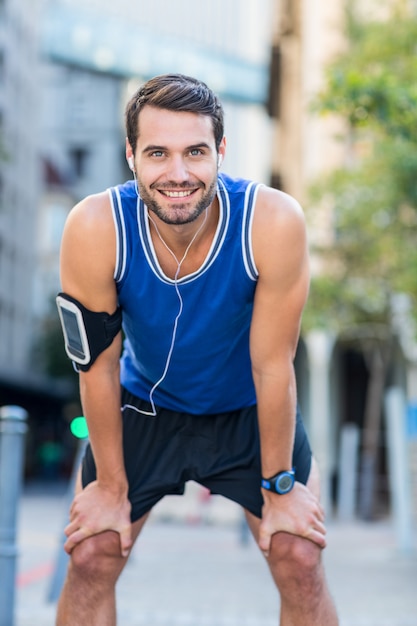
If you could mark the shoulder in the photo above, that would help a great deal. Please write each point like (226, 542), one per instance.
(96, 212)
(88, 249)
(277, 208)
(89, 228)
(91, 213)
(279, 230)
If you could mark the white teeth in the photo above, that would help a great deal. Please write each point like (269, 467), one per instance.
(177, 194)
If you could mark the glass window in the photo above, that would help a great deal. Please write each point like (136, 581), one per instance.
(79, 157)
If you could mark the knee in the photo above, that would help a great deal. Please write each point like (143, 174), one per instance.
(98, 556)
(294, 560)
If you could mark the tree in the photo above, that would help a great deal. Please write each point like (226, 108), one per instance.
(373, 256)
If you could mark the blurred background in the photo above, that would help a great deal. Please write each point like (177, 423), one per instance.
(321, 102)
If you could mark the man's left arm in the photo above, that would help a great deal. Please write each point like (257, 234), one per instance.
(281, 256)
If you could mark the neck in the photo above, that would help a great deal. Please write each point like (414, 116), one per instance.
(188, 242)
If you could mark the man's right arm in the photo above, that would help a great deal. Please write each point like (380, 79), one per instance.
(88, 255)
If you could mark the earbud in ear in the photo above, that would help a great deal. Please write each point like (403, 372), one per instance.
(131, 163)
(219, 160)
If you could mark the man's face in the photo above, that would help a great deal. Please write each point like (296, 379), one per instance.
(176, 163)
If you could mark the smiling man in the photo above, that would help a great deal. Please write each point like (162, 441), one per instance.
(208, 276)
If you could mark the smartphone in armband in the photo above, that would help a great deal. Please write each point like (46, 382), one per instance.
(75, 334)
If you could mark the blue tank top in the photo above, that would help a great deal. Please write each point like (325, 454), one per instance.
(203, 365)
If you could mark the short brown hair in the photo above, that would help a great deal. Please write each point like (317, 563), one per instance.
(174, 92)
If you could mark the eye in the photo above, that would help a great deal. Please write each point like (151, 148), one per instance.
(156, 153)
(196, 152)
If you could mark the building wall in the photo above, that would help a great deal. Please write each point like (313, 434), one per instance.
(308, 33)
(229, 27)
(82, 123)
(19, 180)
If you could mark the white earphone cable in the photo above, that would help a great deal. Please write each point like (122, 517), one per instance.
(175, 326)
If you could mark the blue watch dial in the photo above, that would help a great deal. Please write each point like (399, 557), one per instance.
(280, 483)
(284, 482)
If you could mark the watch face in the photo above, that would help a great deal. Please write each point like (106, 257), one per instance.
(284, 483)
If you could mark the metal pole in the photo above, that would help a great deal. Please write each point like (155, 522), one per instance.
(348, 462)
(12, 430)
(320, 345)
(399, 467)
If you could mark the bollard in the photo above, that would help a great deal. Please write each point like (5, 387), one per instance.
(12, 430)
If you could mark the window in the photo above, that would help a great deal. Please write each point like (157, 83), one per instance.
(79, 158)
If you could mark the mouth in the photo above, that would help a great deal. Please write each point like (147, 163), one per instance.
(177, 194)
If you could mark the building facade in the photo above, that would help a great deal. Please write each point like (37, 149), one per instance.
(19, 181)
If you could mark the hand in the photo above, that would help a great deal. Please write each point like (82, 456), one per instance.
(298, 512)
(96, 509)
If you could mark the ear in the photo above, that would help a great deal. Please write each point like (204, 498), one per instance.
(221, 152)
(130, 156)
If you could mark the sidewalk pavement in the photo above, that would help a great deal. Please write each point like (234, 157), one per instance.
(194, 565)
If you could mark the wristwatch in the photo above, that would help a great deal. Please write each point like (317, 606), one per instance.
(280, 483)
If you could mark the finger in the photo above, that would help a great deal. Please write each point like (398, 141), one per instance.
(264, 541)
(321, 513)
(317, 537)
(74, 539)
(317, 511)
(125, 541)
(72, 507)
(317, 507)
(313, 525)
(321, 528)
(71, 528)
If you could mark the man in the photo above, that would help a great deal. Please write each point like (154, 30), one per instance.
(210, 276)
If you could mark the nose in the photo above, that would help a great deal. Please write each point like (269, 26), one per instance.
(177, 169)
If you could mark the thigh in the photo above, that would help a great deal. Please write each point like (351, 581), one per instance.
(153, 466)
(100, 554)
(313, 483)
(236, 471)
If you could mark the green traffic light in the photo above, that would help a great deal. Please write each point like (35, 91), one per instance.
(79, 427)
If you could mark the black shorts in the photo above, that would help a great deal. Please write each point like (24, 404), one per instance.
(221, 452)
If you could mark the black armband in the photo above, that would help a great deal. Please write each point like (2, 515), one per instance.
(86, 333)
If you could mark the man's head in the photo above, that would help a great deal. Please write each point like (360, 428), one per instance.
(174, 92)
